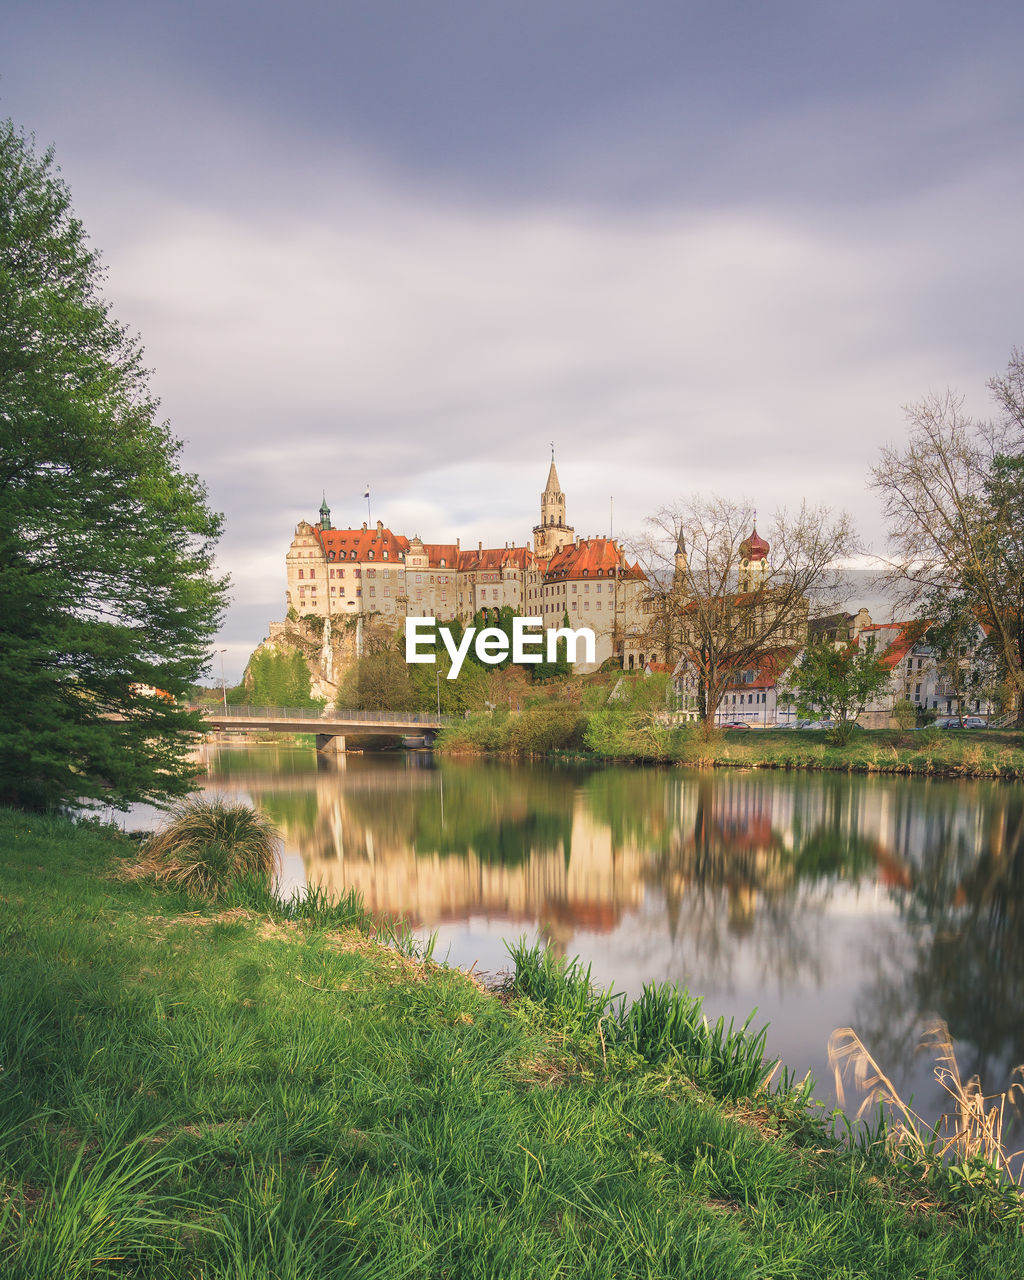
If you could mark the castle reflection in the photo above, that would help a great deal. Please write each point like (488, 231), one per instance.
(822, 898)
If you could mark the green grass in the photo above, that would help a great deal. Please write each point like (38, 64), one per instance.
(621, 735)
(252, 1090)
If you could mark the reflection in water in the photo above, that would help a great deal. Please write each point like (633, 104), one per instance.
(823, 899)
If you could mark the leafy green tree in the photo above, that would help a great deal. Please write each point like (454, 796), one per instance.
(108, 599)
(837, 684)
(560, 667)
(276, 679)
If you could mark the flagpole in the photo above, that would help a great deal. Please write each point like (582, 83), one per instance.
(366, 495)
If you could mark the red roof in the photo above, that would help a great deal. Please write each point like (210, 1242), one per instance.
(438, 551)
(591, 558)
(754, 547)
(908, 634)
(338, 544)
(767, 669)
(494, 559)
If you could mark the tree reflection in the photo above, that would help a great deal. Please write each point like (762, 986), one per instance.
(965, 959)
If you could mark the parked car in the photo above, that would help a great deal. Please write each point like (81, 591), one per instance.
(953, 722)
(736, 724)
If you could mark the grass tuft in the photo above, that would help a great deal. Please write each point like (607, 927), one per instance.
(209, 846)
(665, 1023)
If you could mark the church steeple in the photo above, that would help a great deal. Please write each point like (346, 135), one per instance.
(325, 514)
(552, 532)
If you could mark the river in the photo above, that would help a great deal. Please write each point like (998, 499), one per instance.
(824, 900)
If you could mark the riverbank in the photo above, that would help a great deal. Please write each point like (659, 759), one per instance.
(191, 1091)
(950, 753)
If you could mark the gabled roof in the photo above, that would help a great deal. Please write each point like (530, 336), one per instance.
(907, 635)
(338, 544)
(591, 558)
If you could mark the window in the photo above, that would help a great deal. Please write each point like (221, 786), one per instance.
(302, 573)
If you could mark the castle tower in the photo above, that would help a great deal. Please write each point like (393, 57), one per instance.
(552, 533)
(325, 514)
(753, 561)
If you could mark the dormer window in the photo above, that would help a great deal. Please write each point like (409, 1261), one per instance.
(370, 555)
(352, 555)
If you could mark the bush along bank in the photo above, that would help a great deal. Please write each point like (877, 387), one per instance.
(251, 1087)
(609, 733)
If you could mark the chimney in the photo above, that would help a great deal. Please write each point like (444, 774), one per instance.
(480, 547)
(364, 526)
(380, 527)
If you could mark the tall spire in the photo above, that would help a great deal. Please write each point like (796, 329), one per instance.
(325, 513)
(552, 485)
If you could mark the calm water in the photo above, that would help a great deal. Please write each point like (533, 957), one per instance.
(824, 900)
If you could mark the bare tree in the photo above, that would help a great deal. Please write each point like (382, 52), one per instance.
(954, 501)
(725, 599)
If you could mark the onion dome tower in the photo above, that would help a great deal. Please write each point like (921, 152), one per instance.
(753, 561)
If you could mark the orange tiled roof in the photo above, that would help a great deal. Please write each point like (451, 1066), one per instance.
(908, 634)
(767, 670)
(591, 558)
(438, 551)
(494, 559)
(338, 544)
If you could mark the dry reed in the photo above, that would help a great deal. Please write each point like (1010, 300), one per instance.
(972, 1129)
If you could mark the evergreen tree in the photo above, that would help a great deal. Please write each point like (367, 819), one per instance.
(108, 600)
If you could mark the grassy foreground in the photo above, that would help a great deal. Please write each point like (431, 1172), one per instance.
(244, 1092)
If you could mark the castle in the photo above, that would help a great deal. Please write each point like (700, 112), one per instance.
(372, 574)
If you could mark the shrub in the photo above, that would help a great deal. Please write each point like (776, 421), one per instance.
(905, 714)
(551, 727)
(209, 846)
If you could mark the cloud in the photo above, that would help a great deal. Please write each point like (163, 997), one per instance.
(323, 321)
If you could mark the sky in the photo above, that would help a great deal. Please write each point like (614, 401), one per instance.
(702, 247)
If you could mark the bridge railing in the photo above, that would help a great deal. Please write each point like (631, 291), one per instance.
(348, 716)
